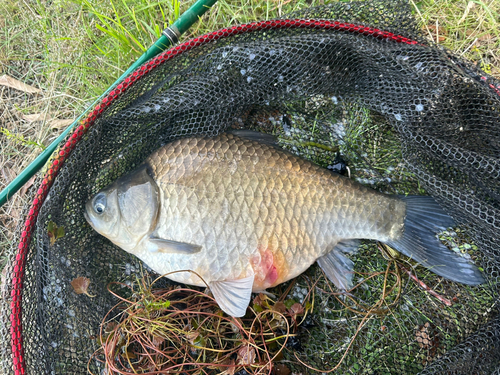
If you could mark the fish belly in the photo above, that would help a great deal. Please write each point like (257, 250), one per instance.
(256, 209)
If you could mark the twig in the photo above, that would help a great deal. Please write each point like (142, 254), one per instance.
(444, 300)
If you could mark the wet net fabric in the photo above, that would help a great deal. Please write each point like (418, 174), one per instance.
(357, 79)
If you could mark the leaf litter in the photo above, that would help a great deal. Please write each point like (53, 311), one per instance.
(8, 81)
(81, 286)
(54, 232)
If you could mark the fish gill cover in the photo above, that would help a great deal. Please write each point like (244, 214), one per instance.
(356, 79)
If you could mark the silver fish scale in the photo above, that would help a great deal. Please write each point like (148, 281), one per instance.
(253, 207)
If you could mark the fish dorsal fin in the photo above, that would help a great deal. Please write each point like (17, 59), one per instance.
(252, 135)
(337, 267)
(233, 296)
(161, 245)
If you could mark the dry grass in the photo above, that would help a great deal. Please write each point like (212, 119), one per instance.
(469, 28)
(43, 61)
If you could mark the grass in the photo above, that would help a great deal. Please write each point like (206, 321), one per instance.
(469, 28)
(73, 50)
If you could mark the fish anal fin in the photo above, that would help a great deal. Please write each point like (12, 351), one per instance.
(156, 244)
(337, 267)
(233, 296)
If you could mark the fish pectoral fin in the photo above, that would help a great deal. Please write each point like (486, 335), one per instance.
(161, 245)
(337, 267)
(233, 296)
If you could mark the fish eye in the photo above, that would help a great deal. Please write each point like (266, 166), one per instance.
(99, 208)
(100, 203)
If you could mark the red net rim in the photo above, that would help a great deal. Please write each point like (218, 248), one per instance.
(68, 147)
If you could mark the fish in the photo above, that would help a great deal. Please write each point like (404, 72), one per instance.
(245, 215)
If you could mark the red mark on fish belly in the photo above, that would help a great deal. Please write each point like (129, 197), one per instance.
(265, 267)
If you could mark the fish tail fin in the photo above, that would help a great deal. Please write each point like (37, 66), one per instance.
(424, 219)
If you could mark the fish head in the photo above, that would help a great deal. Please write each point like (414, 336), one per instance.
(127, 210)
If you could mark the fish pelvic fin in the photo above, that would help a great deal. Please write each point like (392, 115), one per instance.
(424, 219)
(337, 267)
(233, 296)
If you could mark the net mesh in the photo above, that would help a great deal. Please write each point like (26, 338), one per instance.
(358, 79)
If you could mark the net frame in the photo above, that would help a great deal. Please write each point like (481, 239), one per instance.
(19, 260)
